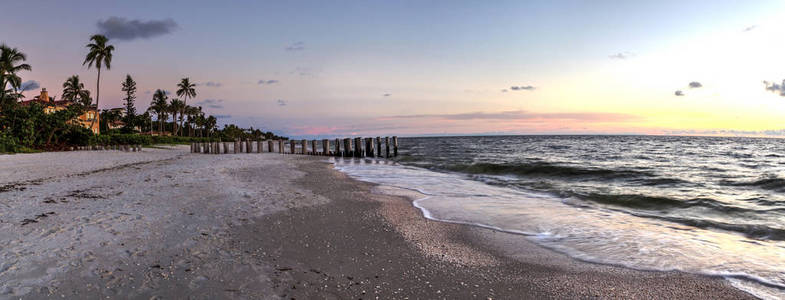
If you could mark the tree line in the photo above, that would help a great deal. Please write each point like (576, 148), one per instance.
(30, 128)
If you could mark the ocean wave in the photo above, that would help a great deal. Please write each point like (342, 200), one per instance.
(660, 203)
(753, 231)
(767, 183)
(544, 169)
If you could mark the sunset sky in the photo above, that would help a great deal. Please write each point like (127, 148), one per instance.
(327, 68)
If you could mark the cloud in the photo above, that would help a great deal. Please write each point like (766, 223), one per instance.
(504, 90)
(386, 95)
(774, 87)
(750, 28)
(211, 103)
(678, 93)
(213, 84)
(273, 81)
(621, 55)
(29, 85)
(524, 115)
(695, 85)
(281, 102)
(125, 29)
(148, 92)
(304, 71)
(296, 46)
(522, 88)
(222, 116)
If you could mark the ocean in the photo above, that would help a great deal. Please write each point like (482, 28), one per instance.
(706, 205)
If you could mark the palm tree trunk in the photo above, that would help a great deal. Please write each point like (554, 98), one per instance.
(97, 96)
(185, 103)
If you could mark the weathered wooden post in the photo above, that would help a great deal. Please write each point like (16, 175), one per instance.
(378, 146)
(217, 148)
(280, 146)
(304, 146)
(395, 146)
(291, 146)
(313, 148)
(369, 147)
(358, 147)
(270, 146)
(347, 147)
(325, 147)
(337, 151)
(387, 146)
(236, 147)
(259, 146)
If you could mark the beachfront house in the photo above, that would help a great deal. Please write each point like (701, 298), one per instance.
(51, 105)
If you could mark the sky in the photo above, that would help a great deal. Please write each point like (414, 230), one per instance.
(409, 68)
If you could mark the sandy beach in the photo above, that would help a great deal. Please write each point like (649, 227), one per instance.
(168, 224)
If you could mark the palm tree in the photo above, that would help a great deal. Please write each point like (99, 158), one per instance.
(100, 54)
(185, 89)
(10, 65)
(200, 121)
(176, 106)
(210, 124)
(191, 112)
(73, 90)
(160, 107)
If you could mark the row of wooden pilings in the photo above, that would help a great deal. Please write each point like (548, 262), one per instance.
(125, 148)
(348, 147)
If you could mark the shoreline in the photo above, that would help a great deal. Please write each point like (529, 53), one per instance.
(169, 224)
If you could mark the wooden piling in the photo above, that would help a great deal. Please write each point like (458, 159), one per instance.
(395, 146)
(358, 147)
(337, 151)
(313, 148)
(387, 146)
(368, 147)
(280, 146)
(292, 147)
(347, 147)
(325, 147)
(270, 146)
(259, 146)
(304, 147)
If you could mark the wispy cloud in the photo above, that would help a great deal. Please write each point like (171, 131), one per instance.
(386, 95)
(272, 81)
(281, 102)
(213, 84)
(621, 55)
(222, 116)
(125, 29)
(695, 85)
(750, 28)
(29, 85)
(678, 93)
(524, 115)
(296, 46)
(211, 103)
(522, 88)
(775, 87)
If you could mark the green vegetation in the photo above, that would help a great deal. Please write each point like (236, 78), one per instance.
(29, 128)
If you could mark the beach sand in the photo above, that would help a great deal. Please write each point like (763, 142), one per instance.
(168, 224)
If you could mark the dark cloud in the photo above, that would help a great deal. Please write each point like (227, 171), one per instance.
(524, 115)
(273, 81)
(281, 102)
(213, 84)
(522, 88)
(29, 85)
(678, 93)
(211, 103)
(124, 29)
(750, 28)
(296, 46)
(695, 85)
(386, 95)
(774, 87)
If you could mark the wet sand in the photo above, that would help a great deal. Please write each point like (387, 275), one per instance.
(173, 225)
